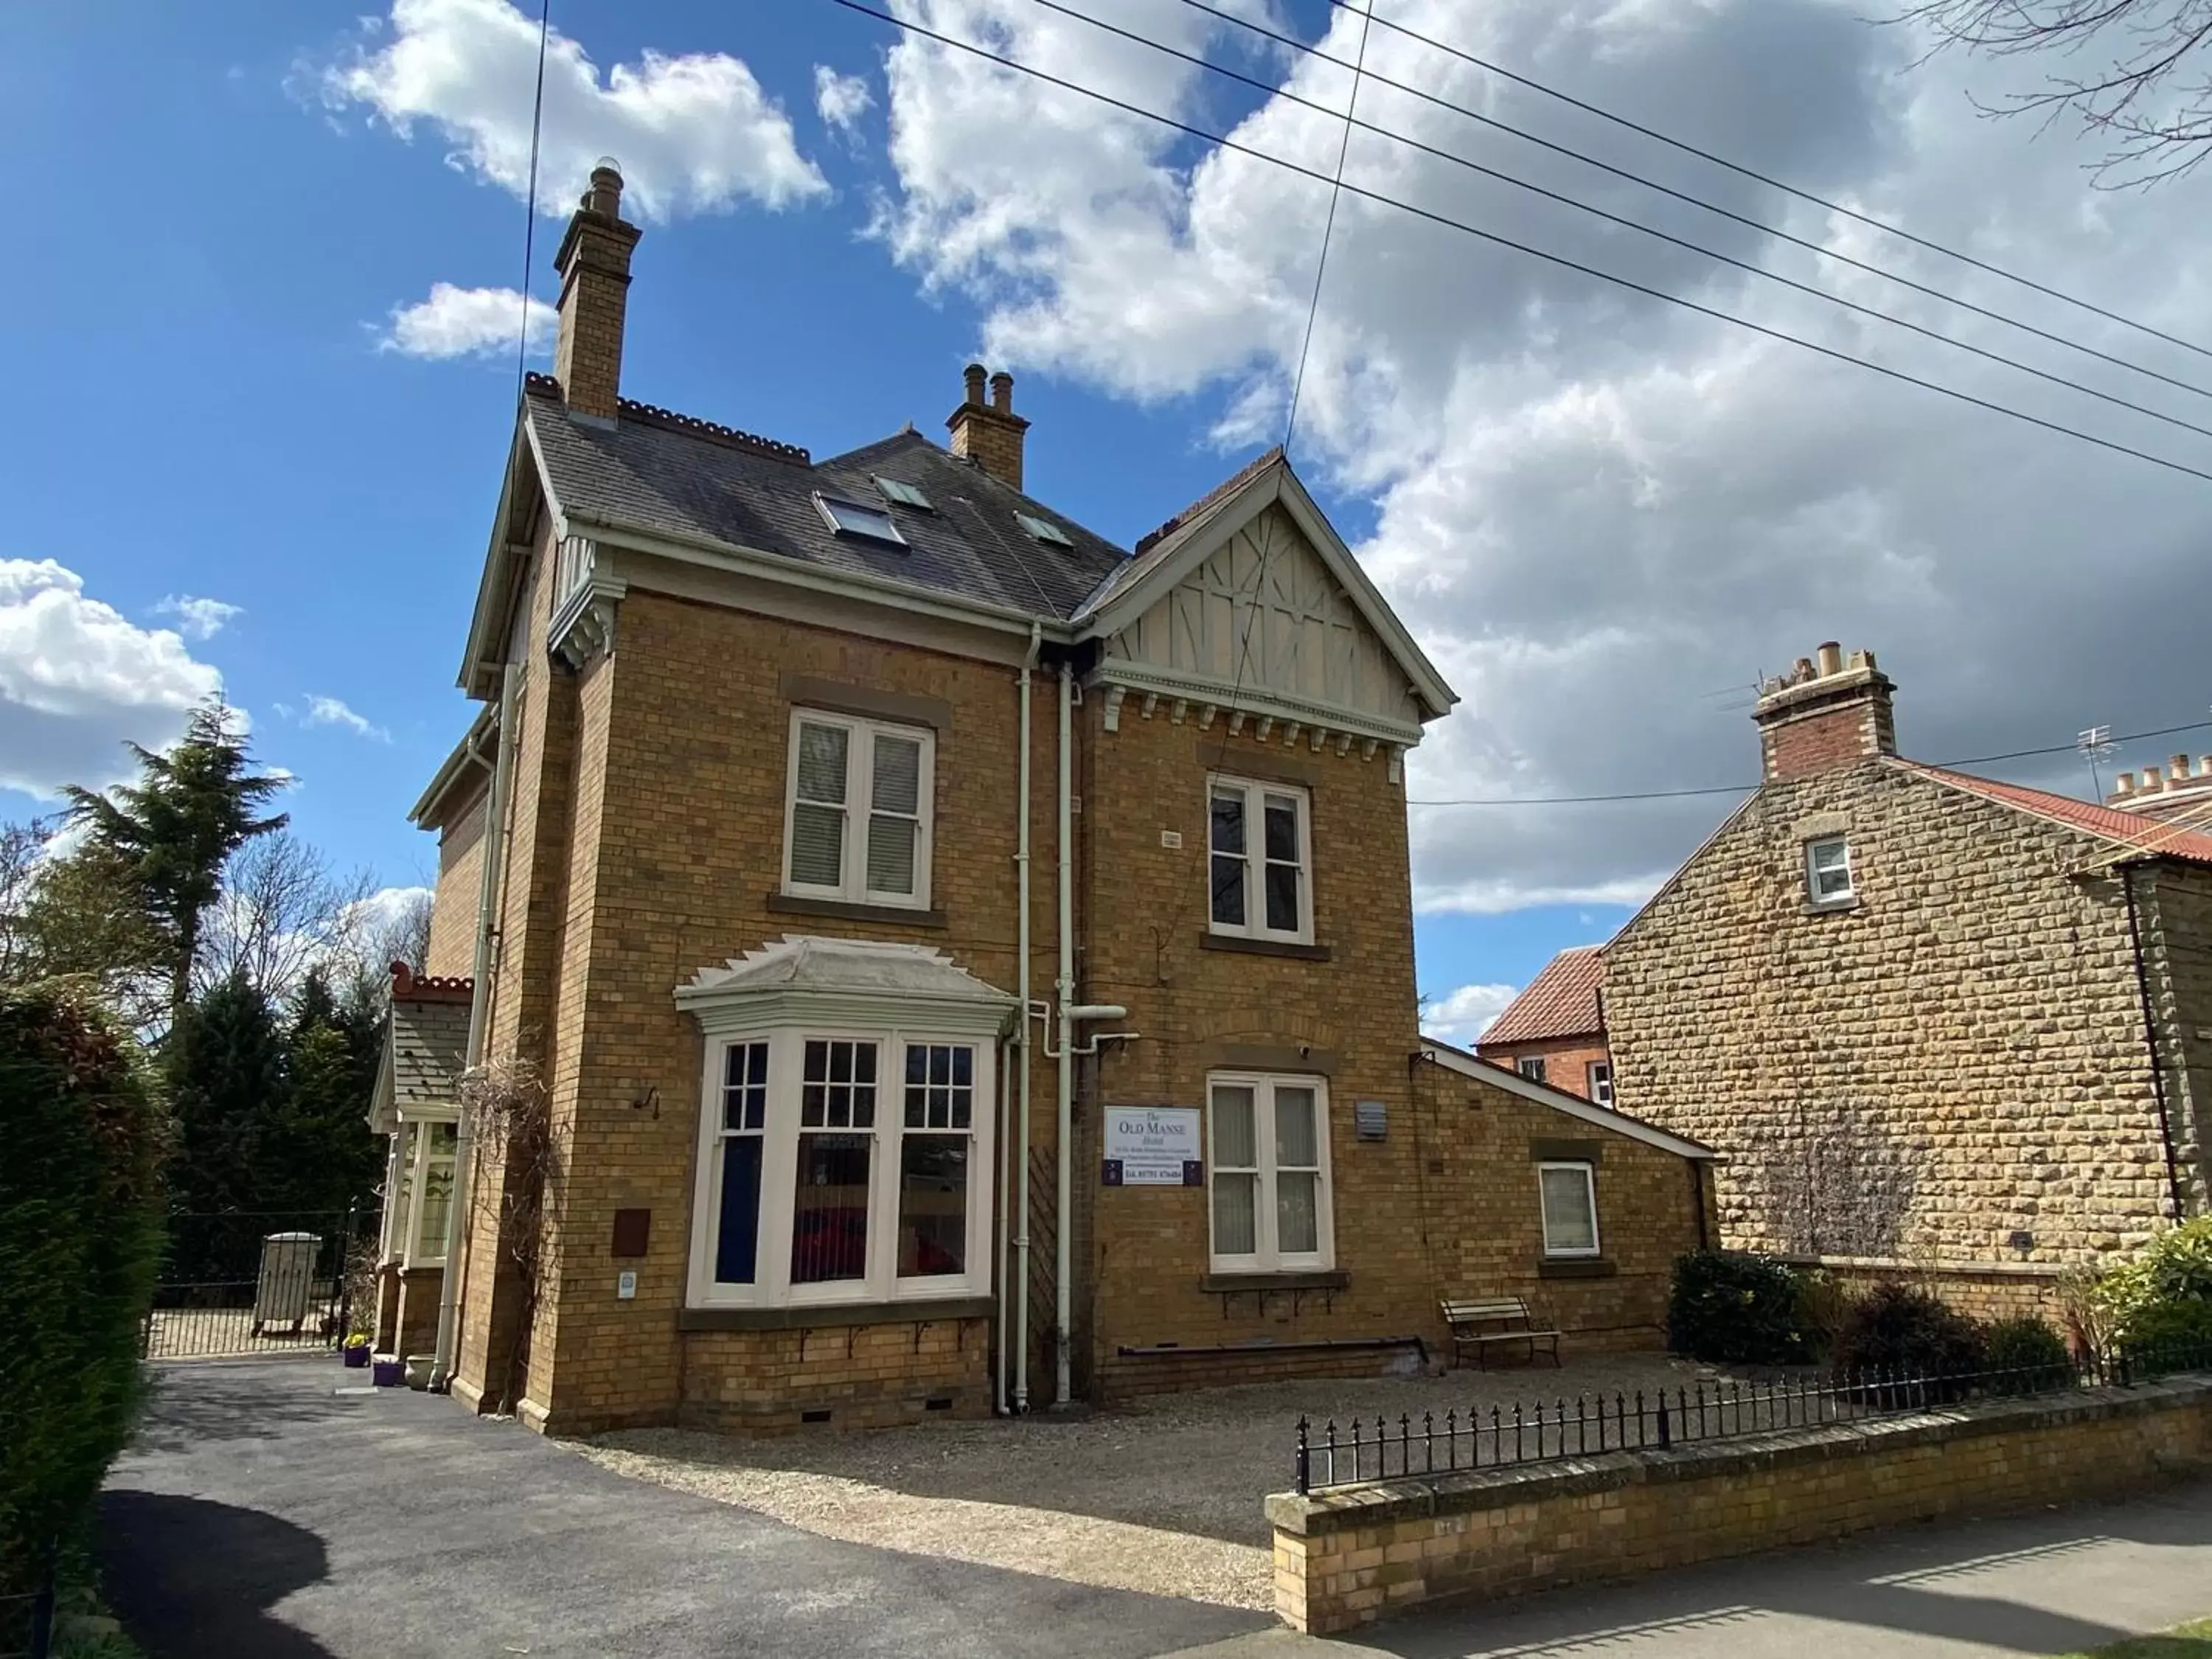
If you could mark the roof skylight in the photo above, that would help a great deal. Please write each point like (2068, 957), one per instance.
(850, 519)
(1044, 530)
(904, 494)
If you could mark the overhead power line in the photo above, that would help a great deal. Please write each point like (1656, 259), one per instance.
(1738, 168)
(1698, 202)
(1750, 266)
(1233, 145)
(530, 202)
(1745, 788)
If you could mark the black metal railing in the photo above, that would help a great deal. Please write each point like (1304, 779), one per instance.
(254, 1282)
(1547, 1431)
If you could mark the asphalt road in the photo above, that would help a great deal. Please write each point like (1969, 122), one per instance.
(263, 1514)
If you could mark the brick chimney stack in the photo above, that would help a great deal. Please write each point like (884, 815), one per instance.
(1826, 711)
(2176, 793)
(594, 266)
(990, 434)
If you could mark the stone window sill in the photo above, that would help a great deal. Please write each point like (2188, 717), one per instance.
(1262, 947)
(1828, 908)
(826, 1317)
(1576, 1267)
(791, 904)
(1334, 1278)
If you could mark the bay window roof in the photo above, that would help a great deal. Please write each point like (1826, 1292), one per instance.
(803, 977)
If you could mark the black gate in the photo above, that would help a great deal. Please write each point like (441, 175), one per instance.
(258, 1282)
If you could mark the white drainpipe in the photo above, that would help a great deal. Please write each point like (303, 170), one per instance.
(1016, 1192)
(1065, 985)
(488, 886)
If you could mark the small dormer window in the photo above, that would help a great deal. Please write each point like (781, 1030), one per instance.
(851, 519)
(1043, 530)
(904, 494)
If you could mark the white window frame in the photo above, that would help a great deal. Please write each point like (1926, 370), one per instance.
(1530, 1066)
(772, 1285)
(415, 1127)
(1599, 1076)
(1266, 1257)
(859, 803)
(1813, 893)
(1255, 792)
(1588, 1173)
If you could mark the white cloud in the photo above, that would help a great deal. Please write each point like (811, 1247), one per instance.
(841, 100)
(77, 680)
(198, 618)
(1463, 1016)
(462, 322)
(330, 711)
(694, 133)
(1604, 516)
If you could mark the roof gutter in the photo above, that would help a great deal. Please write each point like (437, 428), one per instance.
(2127, 869)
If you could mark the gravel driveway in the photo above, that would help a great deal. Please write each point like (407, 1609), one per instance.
(1160, 1495)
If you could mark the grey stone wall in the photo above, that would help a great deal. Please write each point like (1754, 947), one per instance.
(2174, 906)
(1956, 1057)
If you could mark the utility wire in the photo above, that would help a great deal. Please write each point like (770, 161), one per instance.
(1745, 788)
(1561, 260)
(1747, 265)
(1698, 202)
(1602, 113)
(530, 201)
(1328, 225)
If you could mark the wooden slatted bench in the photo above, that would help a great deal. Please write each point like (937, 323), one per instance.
(1480, 1324)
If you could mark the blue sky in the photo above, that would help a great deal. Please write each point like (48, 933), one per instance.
(1604, 521)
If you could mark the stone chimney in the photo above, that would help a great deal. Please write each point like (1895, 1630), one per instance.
(989, 435)
(2168, 793)
(594, 266)
(1826, 711)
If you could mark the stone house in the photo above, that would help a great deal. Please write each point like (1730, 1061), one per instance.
(1554, 1031)
(933, 959)
(1938, 1022)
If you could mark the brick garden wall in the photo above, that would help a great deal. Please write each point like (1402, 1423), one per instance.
(1348, 1558)
(1974, 1020)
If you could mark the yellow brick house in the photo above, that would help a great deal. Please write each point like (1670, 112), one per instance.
(967, 965)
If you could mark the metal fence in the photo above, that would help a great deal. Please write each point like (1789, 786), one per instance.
(1549, 1431)
(27, 1622)
(254, 1282)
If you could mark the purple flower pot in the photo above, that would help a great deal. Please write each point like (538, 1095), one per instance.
(355, 1358)
(388, 1373)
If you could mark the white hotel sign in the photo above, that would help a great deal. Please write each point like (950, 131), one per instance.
(1153, 1146)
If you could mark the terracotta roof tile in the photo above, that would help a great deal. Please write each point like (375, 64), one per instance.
(1562, 1001)
(2123, 829)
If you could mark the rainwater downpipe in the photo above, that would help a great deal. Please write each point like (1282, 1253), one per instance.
(1016, 1191)
(488, 886)
(1063, 1297)
(2150, 1036)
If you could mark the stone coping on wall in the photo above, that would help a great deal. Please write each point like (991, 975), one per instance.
(1882, 1264)
(1382, 1503)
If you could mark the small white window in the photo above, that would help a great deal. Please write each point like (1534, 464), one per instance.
(1259, 845)
(1600, 1082)
(905, 495)
(427, 1190)
(1568, 1193)
(1267, 1167)
(1530, 1066)
(851, 519)
(1044, 530)
(1828, 871)
(857, 827)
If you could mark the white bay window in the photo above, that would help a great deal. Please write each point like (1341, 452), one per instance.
(846, 1162)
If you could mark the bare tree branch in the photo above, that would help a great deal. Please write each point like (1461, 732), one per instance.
(281, 911)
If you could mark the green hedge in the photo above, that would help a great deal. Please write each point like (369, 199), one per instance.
(81, 1145)
(1739, 1310)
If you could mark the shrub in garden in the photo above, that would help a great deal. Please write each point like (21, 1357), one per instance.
(1738, 1309)
(2159, 1303)
(79, 1233)
(2026, 1351)
(1900, 1327)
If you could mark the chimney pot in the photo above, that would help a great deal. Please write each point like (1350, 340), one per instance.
(2204, 765)
(1002, 393)
(1830, 658)
(1803, 672)
(2152, 781)
(2178, 767)
(2125, 784)
(973, 374)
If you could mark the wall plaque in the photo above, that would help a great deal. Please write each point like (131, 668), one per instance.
(1153, 1146)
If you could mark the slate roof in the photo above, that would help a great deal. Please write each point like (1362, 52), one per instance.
(1562, 1001)
(2125, 829)
(429, 1041)
(665, 474)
